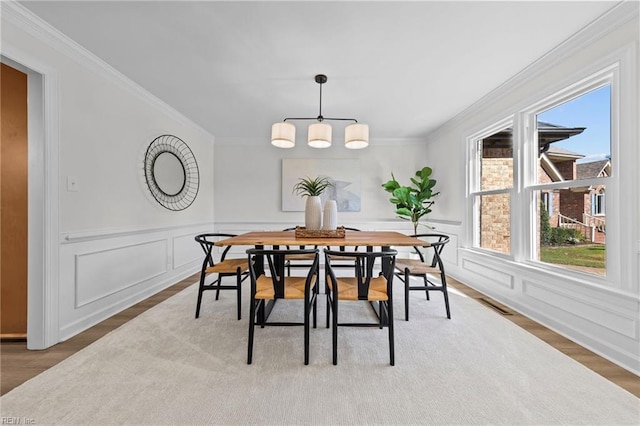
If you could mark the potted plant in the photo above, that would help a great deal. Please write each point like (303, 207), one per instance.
(413, 202)
(312, 189)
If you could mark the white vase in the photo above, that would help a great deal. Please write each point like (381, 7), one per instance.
(330, 215)
(313, 213)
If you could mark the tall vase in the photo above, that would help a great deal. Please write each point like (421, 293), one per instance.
(313, 213)
(330, 215)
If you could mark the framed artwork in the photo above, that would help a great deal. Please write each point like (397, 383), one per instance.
(343, 174)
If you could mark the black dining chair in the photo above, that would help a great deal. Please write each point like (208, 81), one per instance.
(428, 264)
(364, 286)
(343, 262)
(226, 267)
(273, 284)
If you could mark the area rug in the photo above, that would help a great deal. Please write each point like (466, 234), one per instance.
(167, 368)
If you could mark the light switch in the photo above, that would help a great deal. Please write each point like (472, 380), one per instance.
(73, 184)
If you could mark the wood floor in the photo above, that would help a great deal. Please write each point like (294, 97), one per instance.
(17, 364)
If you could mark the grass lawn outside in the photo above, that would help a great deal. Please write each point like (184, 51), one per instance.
(589, 255)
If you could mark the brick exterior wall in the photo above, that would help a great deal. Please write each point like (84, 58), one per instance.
(495, 220)
(495, 223)
(567, 169)
(574, 204)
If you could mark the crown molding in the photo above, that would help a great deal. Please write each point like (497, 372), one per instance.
(16, 14)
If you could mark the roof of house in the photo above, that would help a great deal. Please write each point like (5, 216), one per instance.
(592, 169)
(547, 134)
(561, 154)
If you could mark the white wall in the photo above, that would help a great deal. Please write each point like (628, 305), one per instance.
(248, 179)
(110, 244)
(601, 315)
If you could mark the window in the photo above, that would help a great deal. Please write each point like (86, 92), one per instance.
(597, 206)
(573, 142)
(540, 179)
(493, 183)
(547, 202)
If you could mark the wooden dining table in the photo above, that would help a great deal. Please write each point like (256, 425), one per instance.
(368, 239)
(383, 239)
(371, 240)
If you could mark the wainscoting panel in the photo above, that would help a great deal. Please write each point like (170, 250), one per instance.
(105, 272)
(503, 279)
(597, 315)
(602, 319)
(186, 251)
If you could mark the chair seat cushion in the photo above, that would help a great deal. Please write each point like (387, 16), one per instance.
(416, 267)
(348, 288)
(293, 287)
(229, 266)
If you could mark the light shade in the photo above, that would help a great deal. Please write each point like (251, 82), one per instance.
(283, 135)
(356, 136)
(320, 135)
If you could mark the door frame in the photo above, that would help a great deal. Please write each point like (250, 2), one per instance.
(43, 198)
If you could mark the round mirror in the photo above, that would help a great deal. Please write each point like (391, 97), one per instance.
(169, 173)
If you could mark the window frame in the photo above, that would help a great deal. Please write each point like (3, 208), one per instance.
(599, 203)
(475, 182)
(524, 204)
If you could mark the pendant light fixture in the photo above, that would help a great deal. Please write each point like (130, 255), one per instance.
(283, 134)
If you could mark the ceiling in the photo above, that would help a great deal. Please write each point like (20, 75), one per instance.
(235, 68)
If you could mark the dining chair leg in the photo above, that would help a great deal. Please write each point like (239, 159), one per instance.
(239, 293)
(406, 294)
(391, 335)
(316, 291)
(446, 296)
(218, 283)
(334, 331)
(426, 286)
(315, 311)
(328, 307)
(261, 314)
(200, 291)
(252, 323)
(307, 312)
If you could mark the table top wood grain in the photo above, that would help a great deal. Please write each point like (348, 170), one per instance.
(352, 238)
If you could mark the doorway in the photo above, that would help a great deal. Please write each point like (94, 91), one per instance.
(42, 196)
(13, 203)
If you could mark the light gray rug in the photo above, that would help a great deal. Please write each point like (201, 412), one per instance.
(165, 367)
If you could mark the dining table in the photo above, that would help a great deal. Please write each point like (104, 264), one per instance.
(370, 240)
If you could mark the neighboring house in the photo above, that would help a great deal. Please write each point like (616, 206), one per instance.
(582, 208)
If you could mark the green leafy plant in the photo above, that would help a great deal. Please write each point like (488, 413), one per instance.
(412, 202)
(546, 234)
(311, 187)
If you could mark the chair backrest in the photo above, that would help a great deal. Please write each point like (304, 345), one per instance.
(364, 270)
(207, 242)
(276, 261)
(436, 244)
